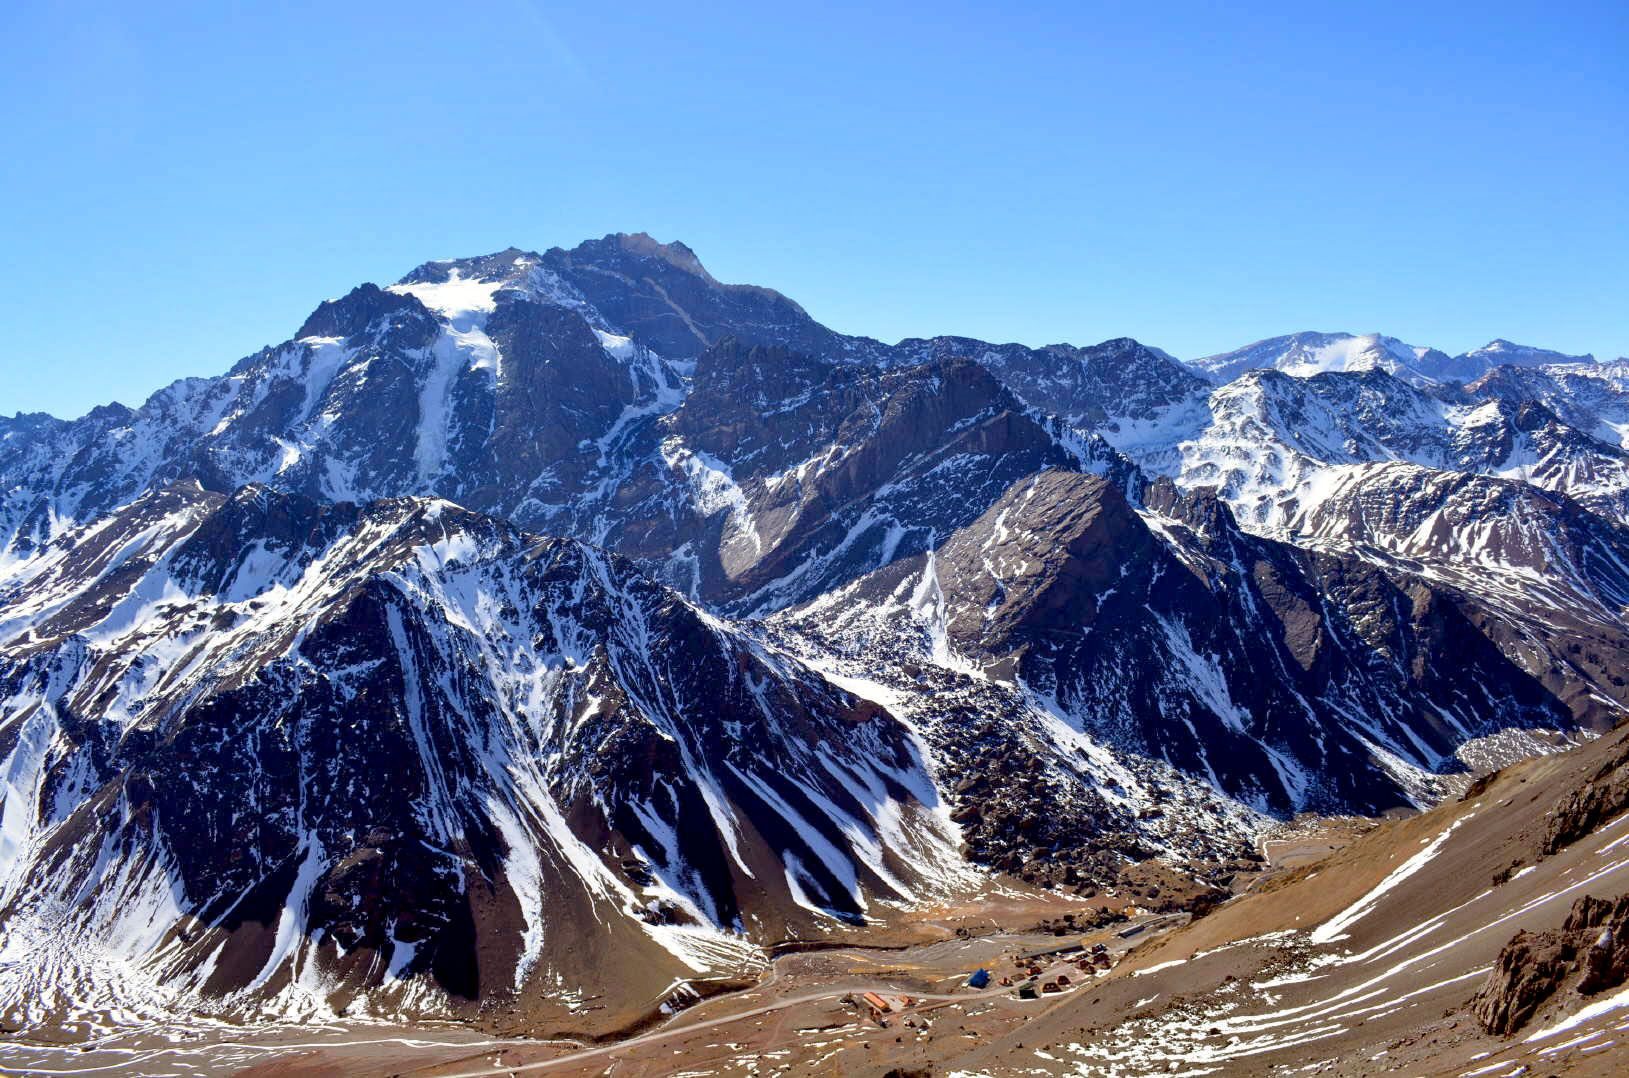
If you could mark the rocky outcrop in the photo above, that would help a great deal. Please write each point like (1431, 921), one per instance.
(353, 313)
(1582, 811)
(1588, 954)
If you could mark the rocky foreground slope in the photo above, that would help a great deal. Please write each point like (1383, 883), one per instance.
(1481, 938)
(546, 633)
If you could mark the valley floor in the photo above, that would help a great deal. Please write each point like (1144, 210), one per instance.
(1356, 951)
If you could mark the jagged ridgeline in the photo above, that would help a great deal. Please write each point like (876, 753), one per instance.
(548, 629)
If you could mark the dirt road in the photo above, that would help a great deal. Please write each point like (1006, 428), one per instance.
(675, 1031)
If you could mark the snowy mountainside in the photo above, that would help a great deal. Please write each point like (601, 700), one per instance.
(1148, 632)
(1550, 577)
(1593, 398)
(1305, 354)
(1261, 439)
(490, 396)
(269, 753)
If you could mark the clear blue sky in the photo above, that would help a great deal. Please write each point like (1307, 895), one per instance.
(183, 183)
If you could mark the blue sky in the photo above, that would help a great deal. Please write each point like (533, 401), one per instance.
(183, 183)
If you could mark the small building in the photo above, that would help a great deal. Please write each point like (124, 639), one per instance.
(1027, 990)
(876, 1003)
(979, 979)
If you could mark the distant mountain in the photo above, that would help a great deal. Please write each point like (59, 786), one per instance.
(1593, 398)
(1305, 354)
(1263, 440)
(1502, 353)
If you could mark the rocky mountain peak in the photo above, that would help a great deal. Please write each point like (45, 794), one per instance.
(1500, 352)
(676, 254)
(509, 264)
(662, 296)
(1039, 559)
(358, 309)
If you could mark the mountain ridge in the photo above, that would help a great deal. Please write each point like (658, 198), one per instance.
(676, 612)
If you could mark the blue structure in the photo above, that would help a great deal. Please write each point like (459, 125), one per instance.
(979, 979)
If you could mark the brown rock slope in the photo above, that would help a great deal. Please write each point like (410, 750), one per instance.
(1384, 957)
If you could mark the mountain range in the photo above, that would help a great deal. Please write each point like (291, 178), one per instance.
(547, 629)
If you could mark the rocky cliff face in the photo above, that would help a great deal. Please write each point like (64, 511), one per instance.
(1602, 797)
(1150, 630)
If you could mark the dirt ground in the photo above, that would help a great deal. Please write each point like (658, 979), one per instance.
(805, 1015)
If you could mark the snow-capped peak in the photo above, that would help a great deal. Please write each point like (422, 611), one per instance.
(464, 287)
(1305, 354)
(456, 297)
(1499, 352)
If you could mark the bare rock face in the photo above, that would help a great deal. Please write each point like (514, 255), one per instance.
(1152, 627)
(662, 295)
(804, 475)
(1587, 955)
(1584, 810)
(1071, 537)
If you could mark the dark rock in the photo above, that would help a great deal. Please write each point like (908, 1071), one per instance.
(1589, 953)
